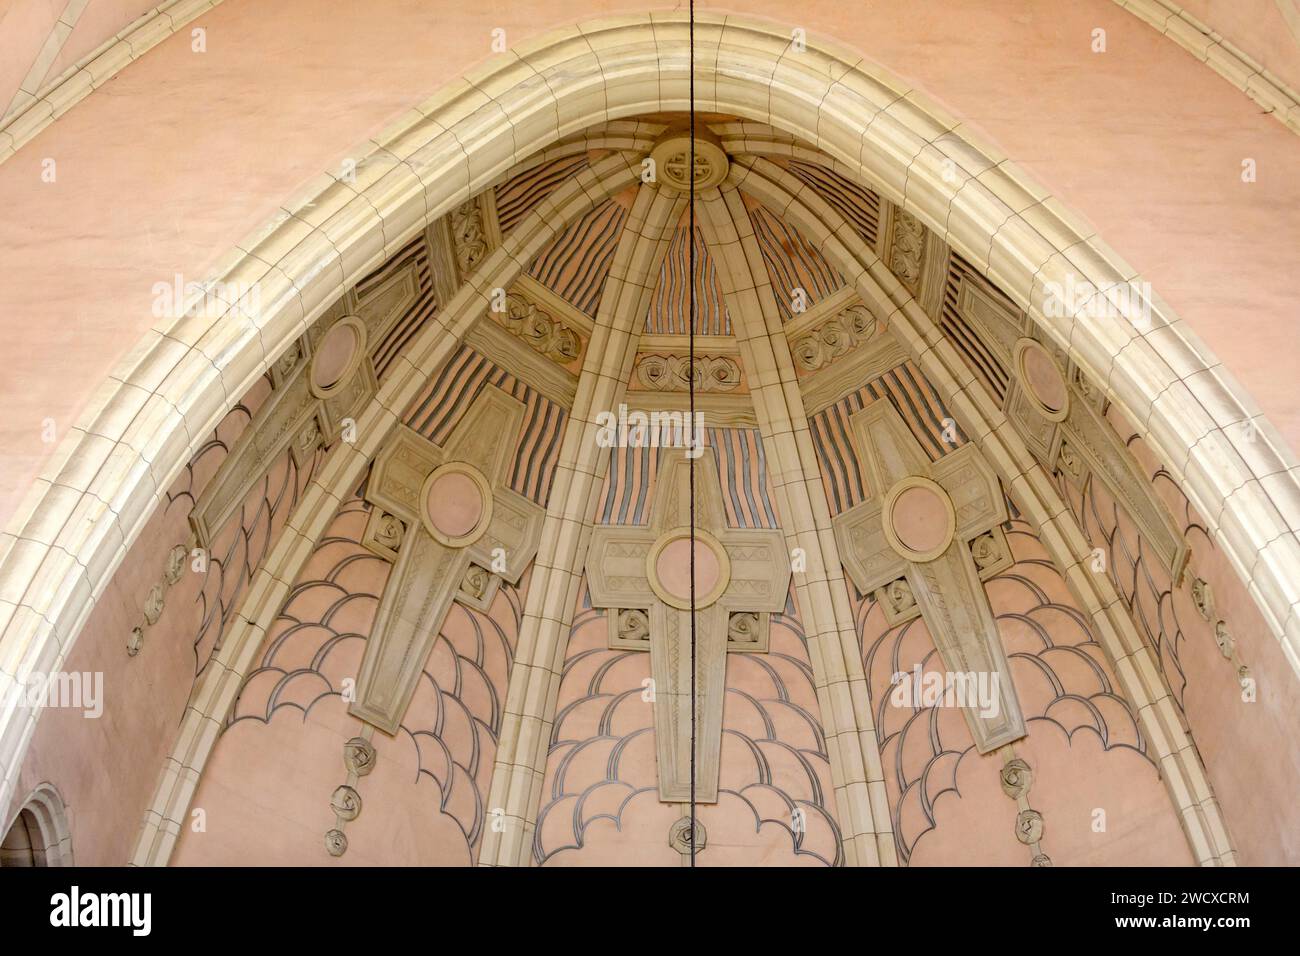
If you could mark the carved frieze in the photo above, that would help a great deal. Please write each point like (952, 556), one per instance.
(541, 331)
(836, 337)
(1064, 426)
(673, 373)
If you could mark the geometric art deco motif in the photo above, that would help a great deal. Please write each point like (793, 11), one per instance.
(642, 574)
(1059, 414)
(915, 525)
(457, 531)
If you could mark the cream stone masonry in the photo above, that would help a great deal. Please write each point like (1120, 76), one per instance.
(107, 475)
(525, 736)
(827, 613)
(1209, 46)
(1033, 491)
(342, 472)
(649, 569)
(456, 510)
(936, 562)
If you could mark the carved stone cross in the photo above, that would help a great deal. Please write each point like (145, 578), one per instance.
(915, 525)
(456, 531)
(643, 575)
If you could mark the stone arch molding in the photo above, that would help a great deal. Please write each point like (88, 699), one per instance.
(46, 840)
(111, 470)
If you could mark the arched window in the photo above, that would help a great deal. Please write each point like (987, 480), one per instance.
(38, 835)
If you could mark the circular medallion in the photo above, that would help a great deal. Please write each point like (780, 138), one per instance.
(918, 519)
(668, 566)
(456, 504)
(672, 158)
(1041, 379)
(337, 355)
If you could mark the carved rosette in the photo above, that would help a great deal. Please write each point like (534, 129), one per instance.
(309, 438)
(743, 628)
(288, 360)
(683, 836)
(336, 842)
(1017, 778)
(679, 166)
(175, 565)
(1068, 461)
(1224, 639)
(153, 604)
(1203, 598)
(633, 625)
(359, 756)
(389, 531)
(346, 802)
(475, 582)
(1029, 827)
(155, 601)
(1087, 391)
(898, 601)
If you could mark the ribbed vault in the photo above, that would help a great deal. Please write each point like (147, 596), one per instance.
(572, 285)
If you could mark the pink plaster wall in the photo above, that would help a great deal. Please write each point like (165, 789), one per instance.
(190, 151)
(1083, 746)
(106, 768)
(600, 799)
(266, 790)
(1244, 744)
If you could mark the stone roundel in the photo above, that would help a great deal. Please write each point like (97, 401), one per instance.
(672, 158)
(668, 567)
(1041, 379)
(337, 355)
(918, 519)
(456, 504)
